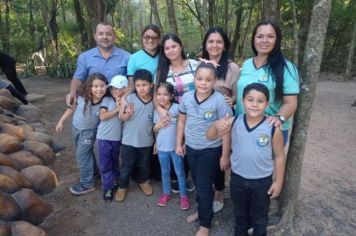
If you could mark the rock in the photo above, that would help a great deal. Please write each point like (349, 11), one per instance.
(5, 229)
(41, 150)
(13, 130)
(39, 137)
(6, 93)
(17, 176)
(9, 143)
(7, 119)
(30, 112)
(8, 103)
(25, 159)
(9, 209)
(6, 161)
(42, 178)
(25, 126)
(23, 228)
(8, 184)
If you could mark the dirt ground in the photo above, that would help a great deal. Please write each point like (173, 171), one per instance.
(327, 196)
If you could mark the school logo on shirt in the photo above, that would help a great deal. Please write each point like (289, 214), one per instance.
(208, 115)
(174, 120)
(263, 140)
(150, 116)
(97, 114)
(263, 78)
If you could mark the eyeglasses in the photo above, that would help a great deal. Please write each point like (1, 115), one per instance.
(153, 38)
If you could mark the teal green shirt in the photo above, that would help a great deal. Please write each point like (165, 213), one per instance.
(143, 60)
(250, 74)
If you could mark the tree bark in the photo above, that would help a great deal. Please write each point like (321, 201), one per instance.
(172, 16)
(154, 8)
(349, 63)
(211, 12)
(295, 34)
(237, 35)
(271, 10)
(31, 27)
(247, 28)
(310, 74)
(81, 25)
(226, 18)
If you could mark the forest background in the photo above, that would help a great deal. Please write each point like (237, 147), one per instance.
(52, 33)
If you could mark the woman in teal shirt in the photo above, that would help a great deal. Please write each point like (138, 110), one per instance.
(270, 68)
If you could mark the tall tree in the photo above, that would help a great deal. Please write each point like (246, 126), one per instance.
(154, 9)
(295, 34)
(349, 63)
(81, 24)
(271, 9)
(172, 16)
(310, 74)
(226, 16)
(237, 30)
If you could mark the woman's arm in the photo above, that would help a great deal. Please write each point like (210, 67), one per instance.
(279, 163)
(287, 110)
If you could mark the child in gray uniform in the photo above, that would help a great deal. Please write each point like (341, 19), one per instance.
(85, 123)
(198, 110)
(137, 138)
(109, 136)
(257, 153)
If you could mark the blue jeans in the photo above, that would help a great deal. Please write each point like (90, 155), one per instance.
(203, 166)
(251, 203)
(131, 156)
(165, 161)
(109, 152)
(84, 153)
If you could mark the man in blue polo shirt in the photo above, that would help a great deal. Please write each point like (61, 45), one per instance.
(105, 59)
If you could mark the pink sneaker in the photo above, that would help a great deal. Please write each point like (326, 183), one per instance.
(163, 199)
(184, 203)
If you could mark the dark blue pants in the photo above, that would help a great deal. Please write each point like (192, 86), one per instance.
(203, 166)
(109, 152)
(251, 203)
(131, 156)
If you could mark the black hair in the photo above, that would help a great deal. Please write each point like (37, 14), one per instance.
(164, 62)
(258, 87)
(152, 27)
(142, 74)
(224, 60)
(169, 87)
(276, 63)
(207, 66)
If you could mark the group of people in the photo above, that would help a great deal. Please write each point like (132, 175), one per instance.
(201, 117)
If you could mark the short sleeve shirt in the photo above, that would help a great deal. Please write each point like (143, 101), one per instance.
(142, 60)
(250, 74)
(166, 137)
(91, 61)
(200, 116)
(137, 131)
(86, 116)
(225, 86)
(109, 129)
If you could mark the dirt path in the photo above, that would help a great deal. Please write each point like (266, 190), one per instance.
(326, 204)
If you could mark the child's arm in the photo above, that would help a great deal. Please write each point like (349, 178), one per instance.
(126, 114)
(180, 133)
(163, 122)
(226, 147)
(68, 113)
(219, 128)
(106, 115)
(279, 163)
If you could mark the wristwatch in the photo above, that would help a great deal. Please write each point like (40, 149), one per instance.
(281, 118)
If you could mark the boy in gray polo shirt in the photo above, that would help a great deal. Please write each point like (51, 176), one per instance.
(137, 139)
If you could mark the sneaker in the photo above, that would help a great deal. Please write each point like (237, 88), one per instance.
(108, 195)
(163, 199)
(120, 194)
(78, 189)
(217, 206)
(190, 186)
(184, 203)
(175, 186)
(146, 188)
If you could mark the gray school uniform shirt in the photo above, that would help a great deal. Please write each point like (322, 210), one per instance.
(166, 137)
(109, 129)
(90, 118)
(200, 116)
(137, 131)
(251, 156)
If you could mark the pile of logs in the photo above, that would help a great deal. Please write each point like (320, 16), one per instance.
(25, 150)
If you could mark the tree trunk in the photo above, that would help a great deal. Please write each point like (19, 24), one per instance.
(31, 27)
(96, 12)
(349, 63)
(242, 42)
(6, 39)
(295, 35)
(172, 16)
(237, 35)
(81, 24)
(226, 18)
(271, 10)
(211, 12)
(154, 9)
(310, 74)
